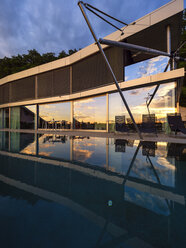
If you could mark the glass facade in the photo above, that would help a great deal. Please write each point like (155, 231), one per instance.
(55, 116)
(162, 104)
(15, 118)
(1, 118)
(23, 117)
(6, 118)
(27, 117)
(90, 113)
(146, 68)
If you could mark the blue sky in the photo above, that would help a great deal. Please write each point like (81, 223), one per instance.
(52, 26)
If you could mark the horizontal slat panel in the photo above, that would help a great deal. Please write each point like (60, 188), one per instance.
(61, 81)
(23, 89)
(45, 84)
(92, 72)
(4, 93)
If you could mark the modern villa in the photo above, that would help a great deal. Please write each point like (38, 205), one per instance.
(73, 172)
(78, 92)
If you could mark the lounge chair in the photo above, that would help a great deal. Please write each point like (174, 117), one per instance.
(148, 124)
(148, 148)
(148, 127)
(120, 145)
(176, 124)
(120, 124)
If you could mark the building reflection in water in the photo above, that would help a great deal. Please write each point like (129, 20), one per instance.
(137, 190)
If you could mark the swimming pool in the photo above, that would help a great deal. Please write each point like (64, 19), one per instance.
(77, 191)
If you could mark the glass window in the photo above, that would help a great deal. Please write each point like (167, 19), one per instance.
(15, 118)
(22, 142)
(27, 117)
(55, 116)
(146, 68)
(1, 118)
(23, 117)
(162, 104)
(4, 141)
(90, 113)
(6, 118)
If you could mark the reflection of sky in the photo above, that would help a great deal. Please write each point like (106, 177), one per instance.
(57, 111)
(146, 200)
(91, 151)
(91, 110)
(94, 151)
(31, 108)
(146, 68)
(120, 162)
(30, 149)
(50, 146)
(162, 103)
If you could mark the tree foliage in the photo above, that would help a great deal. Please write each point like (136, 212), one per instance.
(25, 61)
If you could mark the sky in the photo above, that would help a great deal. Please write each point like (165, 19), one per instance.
(53, 26)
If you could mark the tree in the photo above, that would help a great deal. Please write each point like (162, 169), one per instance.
(62, 54)
(29, 60)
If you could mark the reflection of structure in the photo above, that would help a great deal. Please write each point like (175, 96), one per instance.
(120, 145)
(149, 118)
(89, 125)
(27, 118)
(177, 151)
(54, 124)
(148, 148)
(64, 183)
(55, 138)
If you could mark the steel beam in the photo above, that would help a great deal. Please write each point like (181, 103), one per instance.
(133, 47)
(81, 5)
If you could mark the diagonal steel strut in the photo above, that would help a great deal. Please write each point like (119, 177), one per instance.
(81, 5)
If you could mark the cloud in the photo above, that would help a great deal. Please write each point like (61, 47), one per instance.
(52, 26)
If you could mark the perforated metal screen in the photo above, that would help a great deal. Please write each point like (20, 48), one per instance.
(23, 89)
(92, 72)
(86, 74)
(54, 83)
(61, 81)
(45, 81)
(4, 93)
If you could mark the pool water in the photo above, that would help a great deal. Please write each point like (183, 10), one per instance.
(75, 191)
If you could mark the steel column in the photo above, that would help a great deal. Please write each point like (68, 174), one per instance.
(108, 65)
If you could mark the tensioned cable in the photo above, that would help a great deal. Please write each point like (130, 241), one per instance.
(157, 87)
(86, 4)
(92, 8)
(104, 19)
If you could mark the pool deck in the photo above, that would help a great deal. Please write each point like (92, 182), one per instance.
(171, 138)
